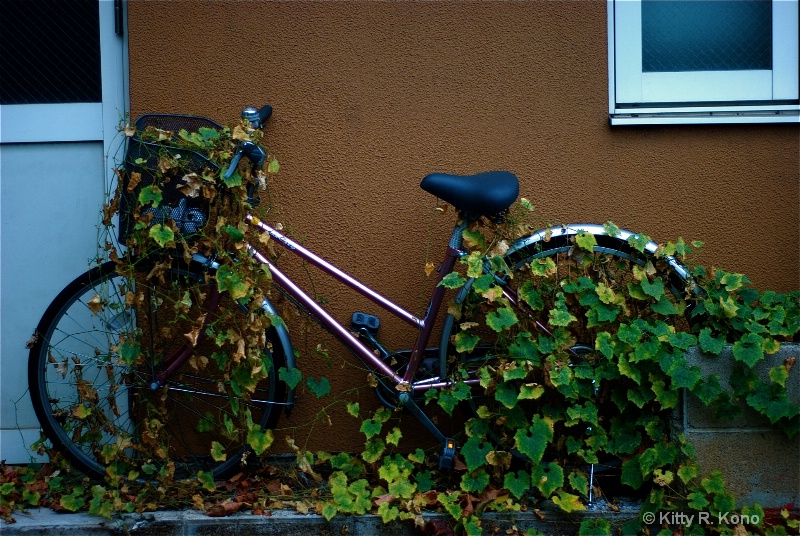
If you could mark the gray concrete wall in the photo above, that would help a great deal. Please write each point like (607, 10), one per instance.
(760, 464)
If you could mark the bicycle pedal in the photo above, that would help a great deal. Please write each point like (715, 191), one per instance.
(448, 457)
(363, 320)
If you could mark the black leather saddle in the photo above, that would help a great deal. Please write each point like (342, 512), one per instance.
(483, 194)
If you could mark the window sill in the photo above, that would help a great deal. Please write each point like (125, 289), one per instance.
(694, 116)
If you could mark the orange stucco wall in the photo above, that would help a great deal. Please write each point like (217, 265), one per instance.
(371, 96)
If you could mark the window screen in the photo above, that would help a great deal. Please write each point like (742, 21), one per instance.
(49, 51)
(715, 35)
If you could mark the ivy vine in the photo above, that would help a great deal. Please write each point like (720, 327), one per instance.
(597, 388)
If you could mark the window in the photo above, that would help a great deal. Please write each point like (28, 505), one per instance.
(703, 61)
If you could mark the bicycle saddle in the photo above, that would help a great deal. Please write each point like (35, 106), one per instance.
(484, 194)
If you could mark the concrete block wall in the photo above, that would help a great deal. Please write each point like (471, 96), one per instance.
(760, 464)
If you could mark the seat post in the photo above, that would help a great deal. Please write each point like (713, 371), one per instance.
(457, 239)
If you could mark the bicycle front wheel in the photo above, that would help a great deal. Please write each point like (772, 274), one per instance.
(91, 375)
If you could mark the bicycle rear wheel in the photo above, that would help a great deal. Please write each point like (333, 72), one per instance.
(535, 370)
(91, 372)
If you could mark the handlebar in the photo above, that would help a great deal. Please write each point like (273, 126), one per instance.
(256, 117)
(253, 152)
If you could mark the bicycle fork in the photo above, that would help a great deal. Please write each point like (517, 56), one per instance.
(177, 358)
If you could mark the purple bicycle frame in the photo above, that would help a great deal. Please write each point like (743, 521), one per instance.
(424, 325)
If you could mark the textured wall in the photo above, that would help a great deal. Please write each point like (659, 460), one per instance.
(369, 97)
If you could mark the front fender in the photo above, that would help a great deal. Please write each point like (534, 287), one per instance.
(286, 349)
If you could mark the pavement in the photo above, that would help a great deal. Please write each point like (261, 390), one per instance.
(43, 521)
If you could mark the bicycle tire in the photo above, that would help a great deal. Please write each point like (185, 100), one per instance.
(98, 410)
(611, 252)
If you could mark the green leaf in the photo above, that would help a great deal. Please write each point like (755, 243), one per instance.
(161, 234)
(547, 477)
(235, 234)
(525, 348)
(501, 319)
(729, 307)
(517, 483)
(318, 388)
(568, 502)
(402, 488)
(150, 195)
(483, 284)
(586, 413)
(685, 377)
(710, 344)
(530, 294)
(353, 408)
(655, 289)
(611, 229)
(688, 471)
(74, 501)
(260, 440)
(129, 351)
(586, 241)
(424, 481)
(579, 482)
(393, 437)
(474, 239)
(273, 166)
(474, 262)
(370, 428)
(233, 180)
(452, 281)
(476, 481)
(561, 317)
(207, 481)
(474, 452)
(388, 512)
(373, 450)
(596, 526)
(466, 341)
(779, 375)
(714, 483)
(506, 394)
(664, 307)
(291, 376)
(639, 242)
(632, 474)
(531, 391)
(749, 349)
(697, 501)
(532, 441)
(329, 511)
(543, 267)
(218, 452)
(733, 282)
(604, 344)
(232, 282)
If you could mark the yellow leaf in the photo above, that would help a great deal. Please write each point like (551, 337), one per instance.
(95, 305)
(429, 267)
(499, 249)
(134, 179)
(164, 135)
(192, 185)
(240, 134)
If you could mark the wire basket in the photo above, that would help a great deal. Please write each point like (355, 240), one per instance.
(190, 214)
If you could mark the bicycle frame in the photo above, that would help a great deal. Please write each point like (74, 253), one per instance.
(425, 324)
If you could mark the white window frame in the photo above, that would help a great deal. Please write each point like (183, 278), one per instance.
(755, 96)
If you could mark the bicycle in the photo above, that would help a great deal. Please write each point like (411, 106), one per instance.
(104, 362)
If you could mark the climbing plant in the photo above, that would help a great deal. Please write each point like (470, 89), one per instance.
(595, 390)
